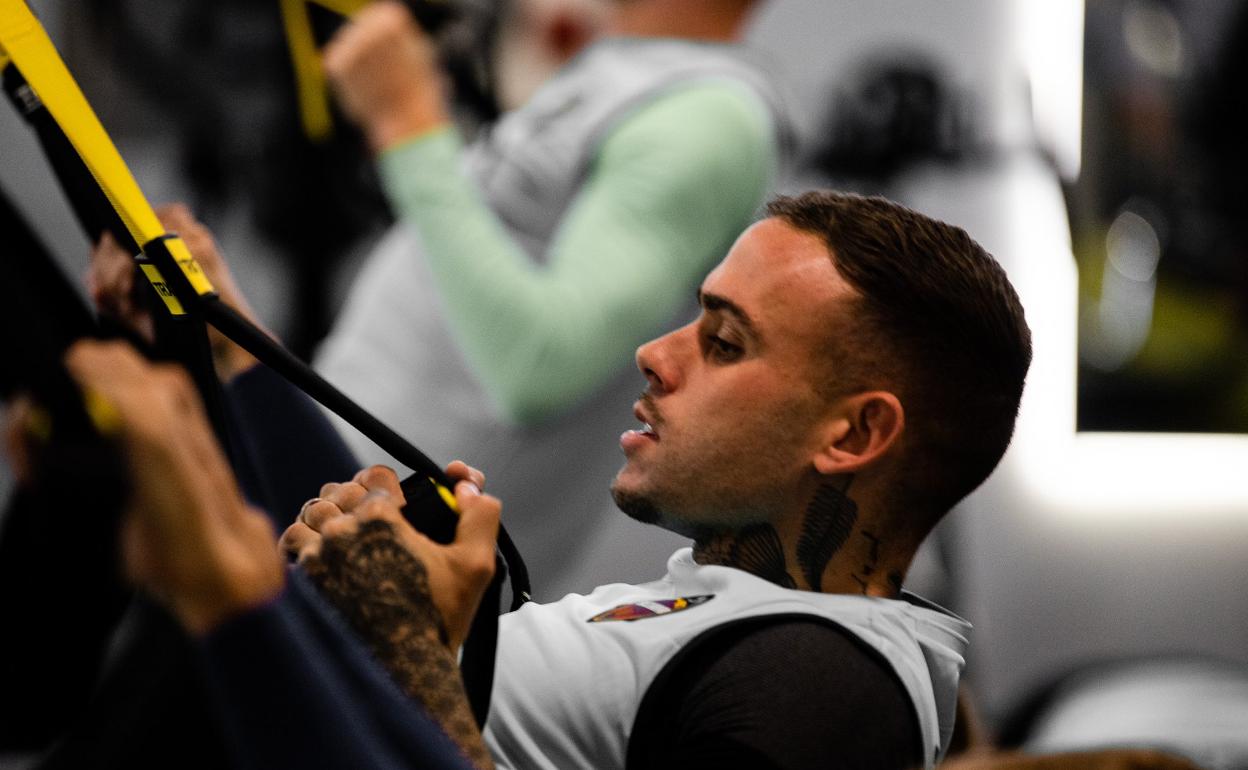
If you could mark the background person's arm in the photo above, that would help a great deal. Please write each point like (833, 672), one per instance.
(668, 191)
(670, 188)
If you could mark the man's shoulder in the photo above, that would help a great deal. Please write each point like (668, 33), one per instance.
(759, 685)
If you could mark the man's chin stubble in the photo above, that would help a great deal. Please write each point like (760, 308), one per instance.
(641, 508)
(636, 506)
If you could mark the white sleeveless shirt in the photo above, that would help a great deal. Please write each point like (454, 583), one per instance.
(567, 687)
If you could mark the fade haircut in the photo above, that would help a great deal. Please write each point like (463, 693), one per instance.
(937, 323)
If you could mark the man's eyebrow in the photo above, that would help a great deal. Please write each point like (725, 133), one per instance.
(717, 303)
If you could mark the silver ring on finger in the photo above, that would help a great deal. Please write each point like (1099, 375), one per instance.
(304, 508)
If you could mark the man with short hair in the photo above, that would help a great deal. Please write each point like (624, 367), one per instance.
(855, 370)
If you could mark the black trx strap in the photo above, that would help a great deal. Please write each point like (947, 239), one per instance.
(80, 150)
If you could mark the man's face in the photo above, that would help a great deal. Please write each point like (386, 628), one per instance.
(733, 417)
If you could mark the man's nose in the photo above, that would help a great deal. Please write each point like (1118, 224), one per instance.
(659, 361)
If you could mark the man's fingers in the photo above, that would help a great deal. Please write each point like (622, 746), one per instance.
(106, 366)
(300, 540)
(318, 512)
(110, 272)
(379, 478)
(340, 526)
(459, 470)
(151, 399)
(107, 244)
(303, 542)
(477, 532)
(346, 495)
(91, 358)
(176, 216)
(378, 505)
(376, 24)
(108, 253)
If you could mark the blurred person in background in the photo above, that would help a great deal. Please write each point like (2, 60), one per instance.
(497, 320)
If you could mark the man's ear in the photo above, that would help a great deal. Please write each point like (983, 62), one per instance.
(862, 429)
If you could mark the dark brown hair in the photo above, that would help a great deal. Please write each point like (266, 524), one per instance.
(938, 324)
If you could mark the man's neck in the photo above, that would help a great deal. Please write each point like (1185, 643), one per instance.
(829, 547)
(708, 20)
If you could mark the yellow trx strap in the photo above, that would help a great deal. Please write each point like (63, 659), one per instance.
(25, 43)
(306, 59)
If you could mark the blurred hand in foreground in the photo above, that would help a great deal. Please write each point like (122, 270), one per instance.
(188, 538)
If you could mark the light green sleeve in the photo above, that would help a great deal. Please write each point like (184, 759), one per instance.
(670, 189)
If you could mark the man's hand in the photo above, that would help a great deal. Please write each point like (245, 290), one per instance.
(188, 537)
(457, 573)
(409, 598)
(111, 284)
(385, 72)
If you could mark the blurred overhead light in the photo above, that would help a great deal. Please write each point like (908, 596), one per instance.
(1118, 324)
(1154, 37)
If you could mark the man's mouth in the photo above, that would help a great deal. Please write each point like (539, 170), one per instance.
(634, 439)
(638, 437)
(643, 410)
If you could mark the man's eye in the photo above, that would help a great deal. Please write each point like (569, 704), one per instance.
(721, 349)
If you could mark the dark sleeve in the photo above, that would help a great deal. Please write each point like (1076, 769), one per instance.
(794, 693)
(61, 595)
(292, 688)
(288, 441)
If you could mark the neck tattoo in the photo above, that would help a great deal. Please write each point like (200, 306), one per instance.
(872, 561)
(830, 518)
(756, 549)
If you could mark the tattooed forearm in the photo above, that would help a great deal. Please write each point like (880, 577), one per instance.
(830, 518)
(755, 549)
(383, 591)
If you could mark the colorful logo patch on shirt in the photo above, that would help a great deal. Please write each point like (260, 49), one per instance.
(651, 609)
